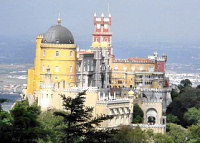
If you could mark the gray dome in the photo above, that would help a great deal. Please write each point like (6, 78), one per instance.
(58, 34)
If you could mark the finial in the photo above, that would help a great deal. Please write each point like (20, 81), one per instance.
(102, 15)
(109, 15)
(59, 19)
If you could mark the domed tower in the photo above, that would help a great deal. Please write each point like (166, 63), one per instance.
(55, 50)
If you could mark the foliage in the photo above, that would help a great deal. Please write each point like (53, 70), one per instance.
(5, 124)
(194, 132)
(177, 133)
(180, 105)
(174, 94)
(128, 134)
(193, 115)
(79, 124)
(26, 128)
(137, 114)
(51, 123)
(162, 138)
(184, 84)
(172, 119)
(198, 87)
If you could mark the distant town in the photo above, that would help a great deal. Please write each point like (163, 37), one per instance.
(13, 77)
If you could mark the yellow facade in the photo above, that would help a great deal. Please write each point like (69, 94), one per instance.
(61, 59)
(124, 74)
(30, 81)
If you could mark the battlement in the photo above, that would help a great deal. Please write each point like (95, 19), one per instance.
(44, 45)
(45, 85)
(158, 90)
(102, 19)
(79, 89)
(41, 36)
(114, 101)
(151, 100)
(131, 60)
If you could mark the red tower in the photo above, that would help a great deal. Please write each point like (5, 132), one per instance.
(102, 29)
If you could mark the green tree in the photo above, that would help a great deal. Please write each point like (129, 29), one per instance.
(194, 132)
(79, 124)
(137, 114)
(198, 87)
(186, 83)
(174, 94)
(180, 105)
(193, 115)
(5, 124)
(129, 134)
(51, 123)
(162, 138)
(25, 126)
(177, 133)
(172, 119)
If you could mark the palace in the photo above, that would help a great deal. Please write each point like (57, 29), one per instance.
(113, 86)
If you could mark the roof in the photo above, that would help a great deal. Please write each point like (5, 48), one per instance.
(58, 34)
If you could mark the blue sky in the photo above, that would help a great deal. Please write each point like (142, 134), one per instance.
(132, 20)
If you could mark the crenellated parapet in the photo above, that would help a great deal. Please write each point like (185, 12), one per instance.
(45, 45)
(133, 61)
(41, 36)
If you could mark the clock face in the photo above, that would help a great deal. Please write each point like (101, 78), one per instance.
(106, 26)
(98, 26)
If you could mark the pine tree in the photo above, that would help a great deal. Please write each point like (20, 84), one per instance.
(80, 125)
(137, 114)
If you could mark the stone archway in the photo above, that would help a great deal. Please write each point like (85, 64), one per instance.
(151, 116)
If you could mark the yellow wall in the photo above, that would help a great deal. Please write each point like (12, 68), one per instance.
(30, 81)
(37, 63)
(126, 77)
(64, 61)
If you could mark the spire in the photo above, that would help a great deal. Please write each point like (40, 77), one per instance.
(109, 15)
(95, 15)
(102, 15)
(59, 19)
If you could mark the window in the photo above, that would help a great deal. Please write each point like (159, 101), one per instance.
(43, 68)
(115, 75)
(70, 69)
(71, 54)
(151, 69)
(79, 68)
(70, 77)
(116, 67)
(98, 26)
(133, 68)
(56, 69)
(124, 76)
(141, 68)
(56, 77)
(57, 53)
(44, 52)
(125, 67)
(106, 26)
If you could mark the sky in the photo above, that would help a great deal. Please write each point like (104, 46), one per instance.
(132, 20)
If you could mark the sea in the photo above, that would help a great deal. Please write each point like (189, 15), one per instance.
(12, 99)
